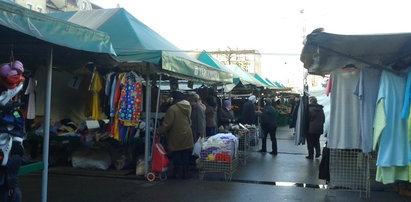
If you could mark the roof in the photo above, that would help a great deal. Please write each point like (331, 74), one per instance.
(324, 52)
(53, 30)
(134, 41)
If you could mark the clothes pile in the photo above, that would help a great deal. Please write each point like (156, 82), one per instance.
(221, 147)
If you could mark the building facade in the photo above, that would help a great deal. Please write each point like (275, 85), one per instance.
(249, 60)
(49, 6)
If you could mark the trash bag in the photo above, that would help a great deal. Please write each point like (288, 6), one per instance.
(91, 159)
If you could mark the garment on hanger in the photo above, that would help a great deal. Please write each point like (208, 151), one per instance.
(95, 88)
(344, 130)
(390, 131)
(130, 103)
(391, 135)
(367, 91)
(301, 127)
(31, 105)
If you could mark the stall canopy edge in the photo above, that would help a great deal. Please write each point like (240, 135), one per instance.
(324, 52)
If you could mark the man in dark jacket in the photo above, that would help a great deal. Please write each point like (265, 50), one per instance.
(248, 113)
(316, 119)
(269, 126)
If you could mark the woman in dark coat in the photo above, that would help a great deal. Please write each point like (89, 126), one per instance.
(269, 126)
(316, 119)
(226, 114)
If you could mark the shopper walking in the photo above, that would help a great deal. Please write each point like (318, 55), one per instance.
(176, 128)
(269, 126)
(211, 116)
(316, 120)
(248, 113)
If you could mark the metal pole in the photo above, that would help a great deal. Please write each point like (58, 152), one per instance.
(47, 127)
(158, 103)
(148, 113)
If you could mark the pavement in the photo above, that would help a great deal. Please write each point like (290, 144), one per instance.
(289, 176)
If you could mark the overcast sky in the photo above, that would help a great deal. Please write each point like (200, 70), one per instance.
(269, 26)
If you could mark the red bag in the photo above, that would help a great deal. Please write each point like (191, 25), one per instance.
(160, 161)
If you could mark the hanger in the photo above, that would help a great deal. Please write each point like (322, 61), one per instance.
(350, 66)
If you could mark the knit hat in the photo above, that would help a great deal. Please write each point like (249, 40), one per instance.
(177, 95)
(6, 70)
(227, 103)
(18, 66)
(252, 98)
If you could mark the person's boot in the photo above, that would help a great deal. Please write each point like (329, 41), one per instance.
(176, 172)
(186, 174)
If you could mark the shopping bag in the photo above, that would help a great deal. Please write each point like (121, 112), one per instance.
(197, 147)
(160, 161)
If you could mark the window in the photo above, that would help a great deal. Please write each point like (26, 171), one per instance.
(39, 9)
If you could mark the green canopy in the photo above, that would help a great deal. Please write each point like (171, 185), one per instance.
(133, 41)
(210, 60)
(53, 30)
(242, 76)
(261, 80)
(269, 82)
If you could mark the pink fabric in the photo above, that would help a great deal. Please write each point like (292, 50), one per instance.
(329, 86)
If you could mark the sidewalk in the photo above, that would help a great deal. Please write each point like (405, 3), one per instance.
(289, 176)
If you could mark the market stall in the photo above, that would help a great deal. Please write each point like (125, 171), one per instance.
(148, 54)
(40, 41)
(364, 71)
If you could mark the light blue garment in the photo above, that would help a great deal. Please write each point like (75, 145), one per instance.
(394, 149)
(113, 91)
(345, 111)
(367, 92)
(407, 98)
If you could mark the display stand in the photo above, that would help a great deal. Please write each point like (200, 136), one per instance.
(228, 168)
(351, 169)
(243, 145)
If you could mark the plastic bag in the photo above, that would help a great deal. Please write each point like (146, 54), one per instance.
(160, 161)
(197, 147)
(140, 168)
(91, 159)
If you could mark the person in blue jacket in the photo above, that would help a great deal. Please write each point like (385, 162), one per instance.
(269, 126)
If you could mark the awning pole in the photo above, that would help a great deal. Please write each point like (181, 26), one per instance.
(148, 113)
(158, 103)
(46, 128)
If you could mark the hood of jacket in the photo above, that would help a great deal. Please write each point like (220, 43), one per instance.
(315, 107)
(184, 106)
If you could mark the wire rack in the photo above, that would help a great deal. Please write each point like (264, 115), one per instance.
(254, 138)
(243, 145)
(351, 170)
(228, 168)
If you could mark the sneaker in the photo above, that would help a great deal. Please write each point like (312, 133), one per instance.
(309, 157)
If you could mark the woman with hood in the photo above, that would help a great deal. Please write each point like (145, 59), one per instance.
(176, 127)
(316, 119)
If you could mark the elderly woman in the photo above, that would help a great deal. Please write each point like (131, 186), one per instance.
(176, 127)
(226, 114)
